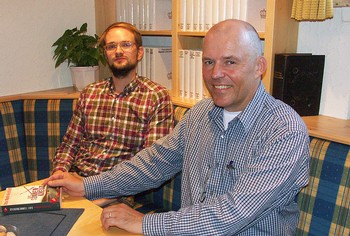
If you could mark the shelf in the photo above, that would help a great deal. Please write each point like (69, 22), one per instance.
(156, 33)
(202, 34)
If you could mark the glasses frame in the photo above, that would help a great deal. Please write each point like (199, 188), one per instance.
(125, 48)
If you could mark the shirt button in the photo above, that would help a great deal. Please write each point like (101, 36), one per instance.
(222, 136)
(113, 118)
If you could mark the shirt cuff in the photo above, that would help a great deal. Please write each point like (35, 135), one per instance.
(153, 224)
(93, 187)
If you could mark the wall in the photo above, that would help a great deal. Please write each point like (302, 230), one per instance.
(28, 28)
(331, 38)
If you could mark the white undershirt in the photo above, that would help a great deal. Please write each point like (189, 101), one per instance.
(228, 116)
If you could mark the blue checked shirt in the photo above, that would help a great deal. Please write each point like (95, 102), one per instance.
(239, 181)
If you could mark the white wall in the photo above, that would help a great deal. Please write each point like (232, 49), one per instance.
(28, 28)
(331, 38)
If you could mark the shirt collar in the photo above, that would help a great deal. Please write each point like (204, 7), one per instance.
(129, 88)
(249, 115)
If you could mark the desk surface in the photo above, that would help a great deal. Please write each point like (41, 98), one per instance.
(89, 222)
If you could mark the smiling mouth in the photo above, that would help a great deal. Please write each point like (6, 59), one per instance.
(222, 86)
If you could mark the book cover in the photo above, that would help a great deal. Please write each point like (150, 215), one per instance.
(147, 58)
(182, 14)
(31, 199)
(186, 73)
(192, 77)
(182, 73)
(254, 12)
(201, 15)
(196, 14)
(199, 75)
(161, 66)
(160, 14)
(215, 12)
(222, 10)
(189, 15)
(208, 17)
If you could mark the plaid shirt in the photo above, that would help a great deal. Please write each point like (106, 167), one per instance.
(107, 128)
(240, 181)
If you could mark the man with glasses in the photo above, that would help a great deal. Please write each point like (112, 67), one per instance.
(244, 155)
(116, 118)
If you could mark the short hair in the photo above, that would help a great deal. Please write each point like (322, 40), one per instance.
(131, 28)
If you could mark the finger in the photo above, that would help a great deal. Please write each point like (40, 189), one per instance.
(55, 182)
(107, 219)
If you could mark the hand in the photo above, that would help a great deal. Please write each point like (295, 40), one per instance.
(71, 184)
(122, 216)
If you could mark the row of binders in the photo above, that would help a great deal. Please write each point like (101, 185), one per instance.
(145, 14)
(194, 15)
(157, 65)
(191, 81)
(200, 15)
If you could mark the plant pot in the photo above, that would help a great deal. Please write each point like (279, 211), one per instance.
(83, 76)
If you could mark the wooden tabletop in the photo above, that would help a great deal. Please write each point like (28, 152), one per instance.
(89, 222)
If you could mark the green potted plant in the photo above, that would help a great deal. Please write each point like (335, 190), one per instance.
(81, 53)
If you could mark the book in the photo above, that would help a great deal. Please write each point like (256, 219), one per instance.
(147, 58)
(31, 199)
(222, 10)
(254, 12)
(208, 17)
(161, 66)
(189, 15)
(192, 77)
(199, 75)
(182, 73)
(160, 14)
(196, 14)
(182, 14)
(201, 15)
(215, 12)
(186, 73)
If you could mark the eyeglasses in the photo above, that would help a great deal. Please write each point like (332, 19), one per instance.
(124, 45)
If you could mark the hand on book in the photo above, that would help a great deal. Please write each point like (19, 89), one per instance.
(71, 184)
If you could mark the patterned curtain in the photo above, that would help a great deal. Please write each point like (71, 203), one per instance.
(312, 10)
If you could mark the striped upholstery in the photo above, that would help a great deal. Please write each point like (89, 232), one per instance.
(46, 122)
(325, 202)
(168, 196)
(34, 128)
(13, 158)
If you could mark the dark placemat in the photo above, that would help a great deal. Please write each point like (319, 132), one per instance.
(50, 223)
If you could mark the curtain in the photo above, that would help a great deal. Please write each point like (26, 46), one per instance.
(312, 10)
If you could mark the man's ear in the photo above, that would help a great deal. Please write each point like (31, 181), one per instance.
(140, 53)
(261, 65)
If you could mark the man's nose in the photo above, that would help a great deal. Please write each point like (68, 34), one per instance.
(217, 71)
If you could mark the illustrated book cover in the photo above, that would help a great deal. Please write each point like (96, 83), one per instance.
(31, 199)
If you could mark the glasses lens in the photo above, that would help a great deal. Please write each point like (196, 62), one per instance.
(111, 47)
(124, 45)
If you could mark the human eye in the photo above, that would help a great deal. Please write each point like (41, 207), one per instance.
(126, 44)
(208, 62)
(110, 47)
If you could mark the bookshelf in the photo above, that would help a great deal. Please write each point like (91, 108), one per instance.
(280, 36)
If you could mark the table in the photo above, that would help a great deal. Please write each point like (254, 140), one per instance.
(89, 222)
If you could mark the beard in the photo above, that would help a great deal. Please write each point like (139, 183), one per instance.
(122, 71)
